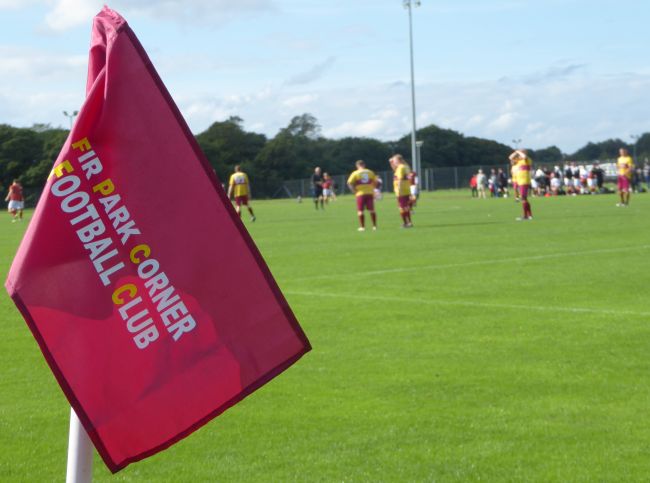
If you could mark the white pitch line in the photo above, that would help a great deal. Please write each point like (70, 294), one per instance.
(472, 264)
(547, 308)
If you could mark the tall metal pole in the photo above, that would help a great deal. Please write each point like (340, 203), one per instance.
(71, 117)
(635, 138)
(414, 156)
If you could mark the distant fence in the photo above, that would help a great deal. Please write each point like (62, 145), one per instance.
(430, 179)
(454, 177)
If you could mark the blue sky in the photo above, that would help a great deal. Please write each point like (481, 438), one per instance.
(548, 72)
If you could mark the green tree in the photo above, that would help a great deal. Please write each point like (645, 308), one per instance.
(603, 150)
(226, 144)
(548, 156)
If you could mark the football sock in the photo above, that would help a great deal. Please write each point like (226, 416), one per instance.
(362, 221)
(373, 216)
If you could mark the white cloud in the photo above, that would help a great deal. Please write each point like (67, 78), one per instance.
(377, 124)
(503, 122)
(312, 74)
(66, 14)
(70, 13)
(299, 102)
(366, 128)
(16, 4)
(39, 65)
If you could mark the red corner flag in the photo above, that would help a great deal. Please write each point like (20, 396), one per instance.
(149, 300)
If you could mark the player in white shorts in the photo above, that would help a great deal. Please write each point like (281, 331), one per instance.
(16, 201)
(378, 187)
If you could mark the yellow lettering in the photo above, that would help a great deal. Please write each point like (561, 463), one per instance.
(82, 145)
(106, 187)
(129, 287)
(60, 168)
(144, 249)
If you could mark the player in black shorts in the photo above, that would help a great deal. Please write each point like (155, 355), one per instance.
(317, 187)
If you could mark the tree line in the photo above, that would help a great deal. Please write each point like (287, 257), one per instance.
(28, 153)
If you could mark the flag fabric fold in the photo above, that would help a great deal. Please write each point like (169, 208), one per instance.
(144, 291)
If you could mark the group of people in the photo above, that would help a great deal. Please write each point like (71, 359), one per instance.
(363, 182)
(366, 186)
(497, 184)
(323, 188)
(572, 180)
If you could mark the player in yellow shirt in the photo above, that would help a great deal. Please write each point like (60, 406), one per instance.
(239, 187)
(362, 183)
(523, 166)
(625, 168)
(402, 188)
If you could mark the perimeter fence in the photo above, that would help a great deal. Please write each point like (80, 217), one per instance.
(454, 177)
(430, 179)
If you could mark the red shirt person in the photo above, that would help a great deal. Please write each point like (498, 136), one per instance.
(16, 201)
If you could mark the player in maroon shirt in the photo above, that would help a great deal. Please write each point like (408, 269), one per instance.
(415, 189)
(16, 201)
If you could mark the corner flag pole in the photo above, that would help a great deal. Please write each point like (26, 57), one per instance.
(80, 453)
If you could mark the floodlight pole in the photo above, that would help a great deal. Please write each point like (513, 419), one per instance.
(418, 145)
(635, 138)
(408, 4)
(71, 117)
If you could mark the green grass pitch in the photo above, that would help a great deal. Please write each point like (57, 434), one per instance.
(471, 347)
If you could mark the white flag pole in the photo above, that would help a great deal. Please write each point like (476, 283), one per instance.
(80, 453)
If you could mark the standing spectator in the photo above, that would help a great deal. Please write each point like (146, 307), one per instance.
(646, 173)
(481, 181)
(494, 183)
(503, 183)
(327, 187)
(414, 186)
(592, 182)
(600, 176)
(16, 201)
(317, 188)
(556, 184)
(472, 185)
(379, 183)
(362, 183)
(568, 179)
(637, 176)
(540, 181)
(577, 183)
